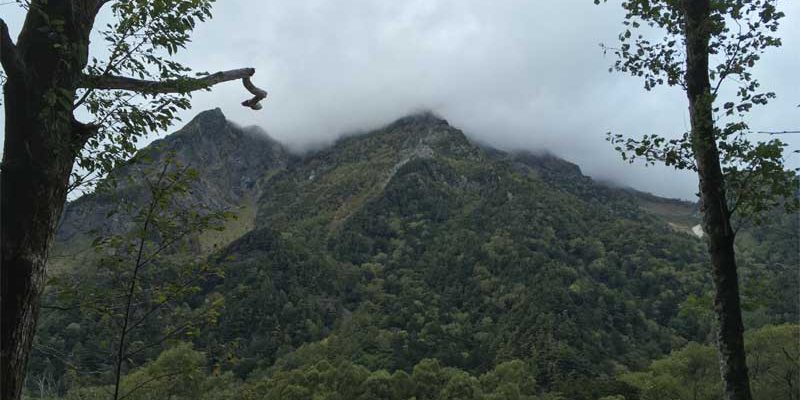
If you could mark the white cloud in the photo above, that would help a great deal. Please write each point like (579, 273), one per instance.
(512, 73)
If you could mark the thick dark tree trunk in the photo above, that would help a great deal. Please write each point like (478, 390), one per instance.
(41, 141)
(34, 183)
(716, 214)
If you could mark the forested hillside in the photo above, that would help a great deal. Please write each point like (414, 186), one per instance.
(409, 262)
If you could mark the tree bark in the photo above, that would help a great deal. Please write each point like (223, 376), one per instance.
(716, 214)
(111, 82)
(32, 201)
(41, 142)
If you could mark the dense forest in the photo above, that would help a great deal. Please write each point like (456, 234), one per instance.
(405, 262)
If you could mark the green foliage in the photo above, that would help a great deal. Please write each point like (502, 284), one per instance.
(691, 373)
(429, 380)
(509, 380)
(141, 293)
(142, 40)
(177, 373)
(686, 374)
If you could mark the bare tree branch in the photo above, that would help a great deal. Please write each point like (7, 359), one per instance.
(728, 64)
(8, 52)
(132, 287)
(112, 82)
(258, 94)
(778, 132)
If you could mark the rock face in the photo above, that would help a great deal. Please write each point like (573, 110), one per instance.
(229, 161)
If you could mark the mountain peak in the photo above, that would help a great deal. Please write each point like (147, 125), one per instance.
(229, 161)
(212, 119)
(211, 114)
(421, 118)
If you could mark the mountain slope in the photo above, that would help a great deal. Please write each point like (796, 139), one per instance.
(410, 242)
(445, 250)
(229, 161)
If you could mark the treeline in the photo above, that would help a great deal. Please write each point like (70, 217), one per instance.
(690, 373)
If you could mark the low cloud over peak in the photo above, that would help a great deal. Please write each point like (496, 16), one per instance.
(514, 74)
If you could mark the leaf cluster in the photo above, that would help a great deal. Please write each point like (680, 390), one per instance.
(142, 40)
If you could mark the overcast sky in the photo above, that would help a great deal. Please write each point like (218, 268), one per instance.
(517, 74)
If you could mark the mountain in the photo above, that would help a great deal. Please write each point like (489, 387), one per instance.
(411, 243)
(229, 162)
(486, 241)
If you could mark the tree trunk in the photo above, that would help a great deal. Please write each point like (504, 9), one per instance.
(42, 139)
(716, 215)
(33, 192)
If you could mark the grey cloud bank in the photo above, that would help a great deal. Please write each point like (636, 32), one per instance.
(511, 73)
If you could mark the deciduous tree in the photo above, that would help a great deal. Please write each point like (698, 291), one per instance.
(50, 76)
(708, 48)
